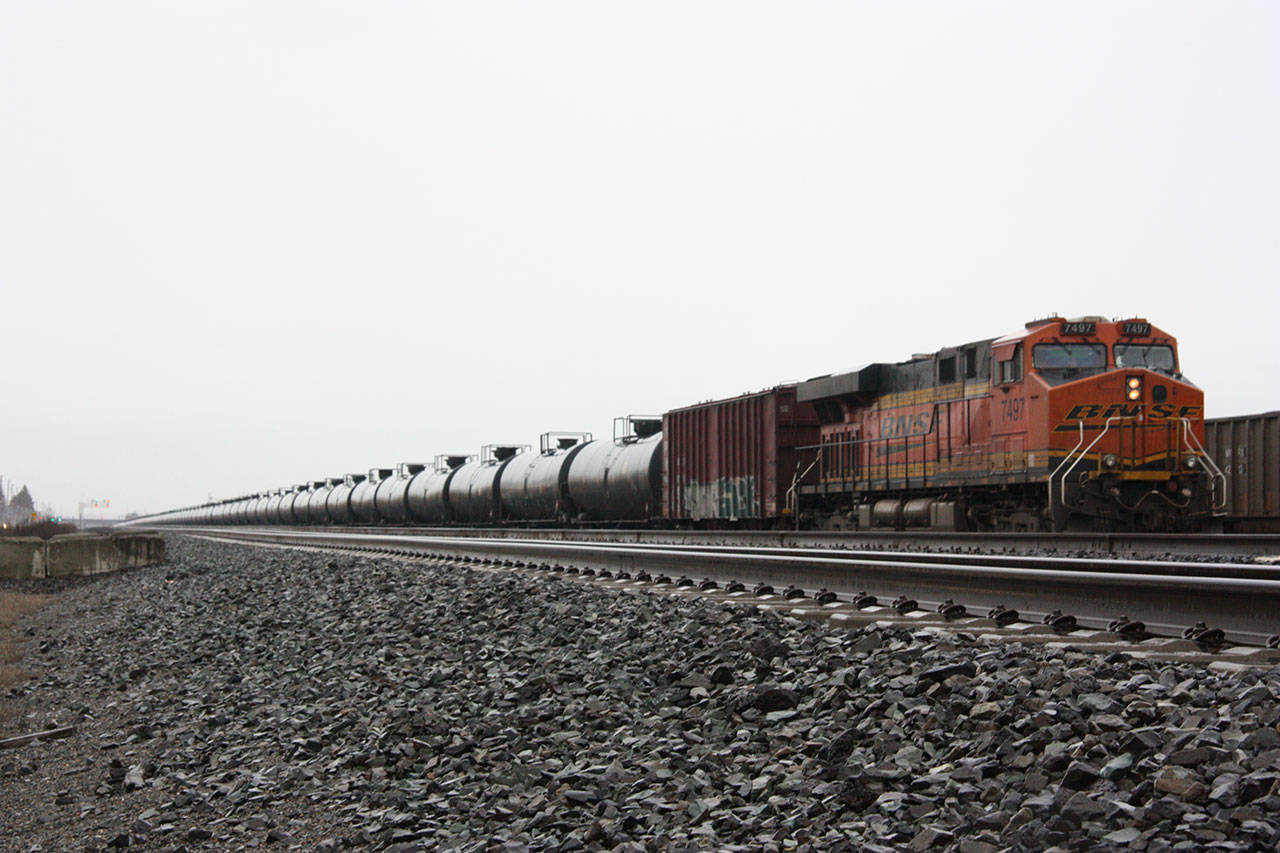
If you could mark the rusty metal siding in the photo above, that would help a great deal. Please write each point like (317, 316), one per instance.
(1247, 449)
(734, 459)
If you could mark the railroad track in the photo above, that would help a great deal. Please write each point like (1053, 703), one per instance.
(1138, 545)
(1154, 598)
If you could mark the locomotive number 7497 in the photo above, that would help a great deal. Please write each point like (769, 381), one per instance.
(1012, 410)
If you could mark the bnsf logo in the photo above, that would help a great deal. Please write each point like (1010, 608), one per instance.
(1087, 411)
(900, 425)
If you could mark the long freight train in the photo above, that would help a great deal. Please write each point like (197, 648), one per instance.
(1067, 424)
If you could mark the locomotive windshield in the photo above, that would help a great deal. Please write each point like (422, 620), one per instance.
(1154, 356)
(1057, 362)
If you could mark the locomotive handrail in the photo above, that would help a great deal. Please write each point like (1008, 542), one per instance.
(1188, 438)
(792, 501)
(1064, 461)
(1105, 429)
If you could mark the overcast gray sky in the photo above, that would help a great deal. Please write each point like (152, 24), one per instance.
(245, 244)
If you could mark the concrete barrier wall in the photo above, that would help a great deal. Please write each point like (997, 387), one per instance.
(139, 549)
(78, 554)
(22, 557)
(81, 554)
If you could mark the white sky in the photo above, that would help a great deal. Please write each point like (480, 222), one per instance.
(246, 244)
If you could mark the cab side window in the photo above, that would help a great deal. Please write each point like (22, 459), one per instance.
(1011, 370)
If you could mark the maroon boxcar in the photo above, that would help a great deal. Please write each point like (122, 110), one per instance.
(1247, 448)
(736, 460)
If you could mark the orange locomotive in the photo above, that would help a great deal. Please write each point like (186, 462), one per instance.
(1071, 424)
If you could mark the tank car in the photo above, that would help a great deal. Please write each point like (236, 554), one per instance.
(284, 512)
(317, 511)
(472, 492)
(619, 480)
(337, 504)
(390, 500)
(427, 493)
(298, 510)
(258, 509)
(363, 510)
(244, 514)
(534, 487)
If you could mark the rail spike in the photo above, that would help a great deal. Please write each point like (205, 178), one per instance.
(1209, 639)
(1129, 629)
(1002, 616)
(905, 605)
(1062, 623)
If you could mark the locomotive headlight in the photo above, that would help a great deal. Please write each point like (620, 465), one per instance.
(1110, 461)
(1134, 386)
(1191, 461)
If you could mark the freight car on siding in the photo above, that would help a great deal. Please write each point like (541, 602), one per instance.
(1069, 424)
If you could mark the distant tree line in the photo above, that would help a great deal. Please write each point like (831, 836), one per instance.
(18, 508)
(19, 516)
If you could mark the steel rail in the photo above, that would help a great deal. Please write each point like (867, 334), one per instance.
(1131, 544)
(1246, 608)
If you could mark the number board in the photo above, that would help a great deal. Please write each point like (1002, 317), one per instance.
(1077, 328)
(1135, 330)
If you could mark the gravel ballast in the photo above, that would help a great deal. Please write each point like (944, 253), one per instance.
(242, 698)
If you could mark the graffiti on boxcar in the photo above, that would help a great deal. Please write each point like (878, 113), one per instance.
(726, 497)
